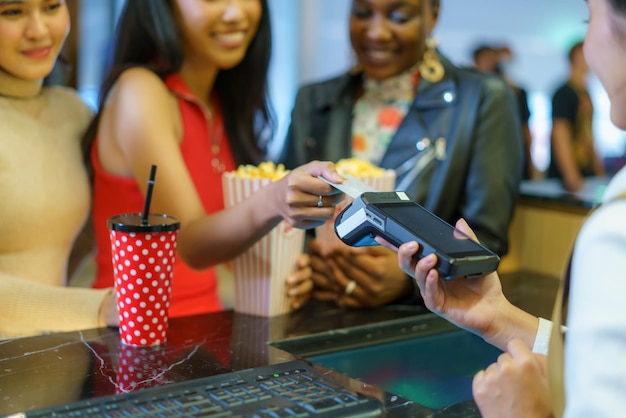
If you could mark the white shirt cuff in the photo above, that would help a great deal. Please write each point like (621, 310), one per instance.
(542, 339)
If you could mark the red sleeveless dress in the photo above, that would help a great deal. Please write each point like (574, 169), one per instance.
(193, 292)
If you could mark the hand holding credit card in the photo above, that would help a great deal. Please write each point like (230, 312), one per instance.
(395, 217)
(352, 186)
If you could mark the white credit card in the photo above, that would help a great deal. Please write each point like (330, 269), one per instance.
(351, 186)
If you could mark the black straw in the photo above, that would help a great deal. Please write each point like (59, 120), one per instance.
(146, 206)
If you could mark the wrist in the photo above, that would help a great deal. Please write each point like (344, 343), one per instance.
(264, 207)
(274, 206)
(511, 322)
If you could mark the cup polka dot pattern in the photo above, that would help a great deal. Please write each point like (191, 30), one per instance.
(143, 271)
(140, 368)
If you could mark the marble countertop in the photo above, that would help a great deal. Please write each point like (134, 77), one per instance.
(50, 370)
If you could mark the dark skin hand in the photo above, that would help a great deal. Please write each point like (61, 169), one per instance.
(375, 271)
(299, 285)
(324, 287)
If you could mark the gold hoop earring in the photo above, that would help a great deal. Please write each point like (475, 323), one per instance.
(430, 68)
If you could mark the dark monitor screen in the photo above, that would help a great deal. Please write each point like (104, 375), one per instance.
(435, 371)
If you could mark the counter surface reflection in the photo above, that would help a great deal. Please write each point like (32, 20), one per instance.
(54, 369)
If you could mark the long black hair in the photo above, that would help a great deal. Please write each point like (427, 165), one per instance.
(147, 36)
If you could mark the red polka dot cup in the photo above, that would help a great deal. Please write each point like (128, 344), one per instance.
(143, 267)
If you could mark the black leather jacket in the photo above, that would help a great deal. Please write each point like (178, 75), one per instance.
(477, 166)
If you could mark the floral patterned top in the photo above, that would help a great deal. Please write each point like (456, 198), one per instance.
(377, 114)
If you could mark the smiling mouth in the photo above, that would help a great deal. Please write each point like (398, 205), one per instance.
(37, 52)
(378, 55)
(230, 38)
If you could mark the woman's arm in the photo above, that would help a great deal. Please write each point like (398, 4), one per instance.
(562, 139)
(140, 126)
(51, 308)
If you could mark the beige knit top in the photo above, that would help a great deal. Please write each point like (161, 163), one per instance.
(44, 202)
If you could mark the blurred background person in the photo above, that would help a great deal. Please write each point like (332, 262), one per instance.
(451, 135)
(486, 59)
(496, 60)
(573, 152)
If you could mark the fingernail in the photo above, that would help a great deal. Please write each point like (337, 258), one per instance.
(412, 245)
(430, 260)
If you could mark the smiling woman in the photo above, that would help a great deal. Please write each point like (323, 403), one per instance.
(45, 200)
(187, 91)
(452, 140)
(33, 34)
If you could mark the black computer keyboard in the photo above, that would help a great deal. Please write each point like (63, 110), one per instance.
(291, 389)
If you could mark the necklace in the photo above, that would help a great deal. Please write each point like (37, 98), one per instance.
(216, 132)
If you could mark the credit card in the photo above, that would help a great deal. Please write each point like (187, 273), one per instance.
(351, 186)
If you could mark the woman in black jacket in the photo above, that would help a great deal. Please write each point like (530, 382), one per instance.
(450, 134)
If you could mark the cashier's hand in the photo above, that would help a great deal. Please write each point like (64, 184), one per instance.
(515, 386)
(472, 304)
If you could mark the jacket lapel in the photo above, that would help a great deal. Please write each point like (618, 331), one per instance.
(425, 120)
(332, 120)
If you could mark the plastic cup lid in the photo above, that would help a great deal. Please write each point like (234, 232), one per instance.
(131, 222)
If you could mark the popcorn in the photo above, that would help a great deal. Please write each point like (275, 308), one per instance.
(265, 170)
(260, 271)
(359, 168)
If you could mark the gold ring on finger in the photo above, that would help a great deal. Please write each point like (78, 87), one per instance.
(350, 287)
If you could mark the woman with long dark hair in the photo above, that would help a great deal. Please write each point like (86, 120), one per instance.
(187, 92)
